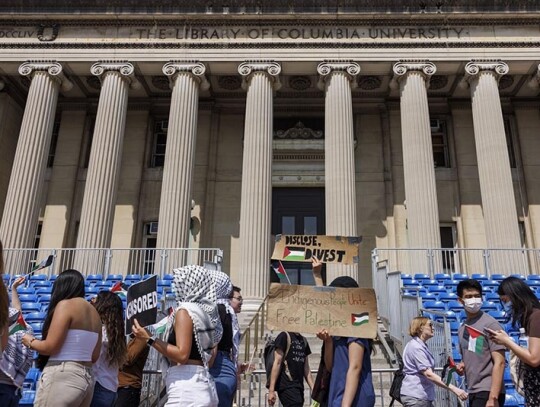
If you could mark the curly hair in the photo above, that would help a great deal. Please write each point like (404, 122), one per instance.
(110, 309)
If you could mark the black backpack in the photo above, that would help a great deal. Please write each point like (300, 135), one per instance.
(269, 350)
(395, 388)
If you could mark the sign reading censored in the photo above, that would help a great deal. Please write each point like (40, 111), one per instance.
(341, 311)
(328, 249)
(142, 303)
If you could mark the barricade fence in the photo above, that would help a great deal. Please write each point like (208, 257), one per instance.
(462, 261)
(108, 261)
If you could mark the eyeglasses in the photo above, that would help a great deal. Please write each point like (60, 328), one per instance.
(240, 299)
(430, 324)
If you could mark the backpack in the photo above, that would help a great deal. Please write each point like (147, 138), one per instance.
(395, 388)
(269, 350)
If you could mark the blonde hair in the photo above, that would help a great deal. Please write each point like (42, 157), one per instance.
(416, 325)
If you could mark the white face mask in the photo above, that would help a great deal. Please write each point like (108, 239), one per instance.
(472, 305)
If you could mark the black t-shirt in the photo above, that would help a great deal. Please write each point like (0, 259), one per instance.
(298, 352)
(194, 353)
(226, 342)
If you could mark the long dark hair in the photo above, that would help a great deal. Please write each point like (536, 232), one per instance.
(523, 300)
(69, 284)
(110, 309)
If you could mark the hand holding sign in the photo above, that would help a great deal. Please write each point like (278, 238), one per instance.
(142, 303)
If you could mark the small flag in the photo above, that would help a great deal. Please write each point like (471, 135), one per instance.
(19, 325)
(360, 319)
(294, 254)
(279, 269)
(160, 327)
(118, 289)
(448, 371)
(44, 263)
(476, 340)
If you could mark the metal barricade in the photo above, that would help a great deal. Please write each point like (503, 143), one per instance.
(109, 261)
(393, 294)
(410, 308)
(380, 270)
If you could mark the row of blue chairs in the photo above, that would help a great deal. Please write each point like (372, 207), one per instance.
(476, 276)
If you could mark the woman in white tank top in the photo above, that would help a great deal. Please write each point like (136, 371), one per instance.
(71, 343)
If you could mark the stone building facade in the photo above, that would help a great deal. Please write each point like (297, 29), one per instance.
(210, 125)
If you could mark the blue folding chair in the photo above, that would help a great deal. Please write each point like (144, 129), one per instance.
(454, 327)
(500, 316)
(41, 284)
(44, 290)
(451, 316)
(94, 278)
(44, 298)
(442, 277)
(435, 305)
(498, 277)
(30, 307)
(490, 306)
(37, 327)
(422, 276)
(147, 276)
(28, 298)
(25, 290)
(493, 297)
(533, 277)
(404, 275)
(479, 276)
(428, 297)
(447, 297)
(455, 306)
(114, 278)
(53, 278)
(103, 285)
(406, 283)
(168, 277)
(460, 277)
(520, 276)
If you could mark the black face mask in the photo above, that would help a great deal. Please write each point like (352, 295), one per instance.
(344, 282)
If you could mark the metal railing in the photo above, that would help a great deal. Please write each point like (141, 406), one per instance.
(109, 261)
(462, 261)
(256, 325)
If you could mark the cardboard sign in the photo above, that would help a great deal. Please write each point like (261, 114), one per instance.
(142, 303)
(308, 309)
(328, 249)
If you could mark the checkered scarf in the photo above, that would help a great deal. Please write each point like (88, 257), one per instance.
(16, 359)
(195, 291)
(224, 289)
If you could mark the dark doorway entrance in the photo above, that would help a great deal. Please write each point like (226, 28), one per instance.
(298, 211)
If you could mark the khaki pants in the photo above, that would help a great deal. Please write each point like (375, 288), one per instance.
(65, 384)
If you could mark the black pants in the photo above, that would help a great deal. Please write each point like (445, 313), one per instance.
(480, 399)
(128, 397)
(291, 397)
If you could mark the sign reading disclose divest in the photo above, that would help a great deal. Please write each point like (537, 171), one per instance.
(142, 303)
(307, 309)
(328, 249)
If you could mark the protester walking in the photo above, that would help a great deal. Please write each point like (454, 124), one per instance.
(225, 364)
(418, 386)
(194, 332)
(71, 343)
(16, 358)
(523, 308)
(113, 348)
(482, 359)
(131, 373)
(349, 361)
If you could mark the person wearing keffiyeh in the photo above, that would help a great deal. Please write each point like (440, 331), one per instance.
(194, 330)
(224, 368)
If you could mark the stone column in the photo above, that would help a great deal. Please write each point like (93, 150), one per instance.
(337, 79)
(175, 205)
(498, 201)
(260, 80)
(105, 157)
(21, 211)
(418, 166)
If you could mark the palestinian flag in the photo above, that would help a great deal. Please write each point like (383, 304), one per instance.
(294, 254)
(160, 327)
(118, 288)
(360, 319)
(279, 269)
(476, 340)
(19, 325)
(44, 263)
(449, 369)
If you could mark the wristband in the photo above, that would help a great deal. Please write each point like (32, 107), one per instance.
(150, 341)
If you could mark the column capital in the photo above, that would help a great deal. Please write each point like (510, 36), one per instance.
(326, 68)
(124, 68)
(194, 68)
(473, 68)
(52, 68)
(404, 67)
(271, 68)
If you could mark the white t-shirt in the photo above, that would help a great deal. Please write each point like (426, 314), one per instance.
(105, 374)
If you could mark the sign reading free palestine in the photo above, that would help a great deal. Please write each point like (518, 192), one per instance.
(307, 309)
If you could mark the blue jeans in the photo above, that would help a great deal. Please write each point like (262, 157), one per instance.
(224, 372)
(103, 397)
(9, 395)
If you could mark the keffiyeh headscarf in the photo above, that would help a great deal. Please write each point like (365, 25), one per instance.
(224, 288)
(16, 360)
(195, 292)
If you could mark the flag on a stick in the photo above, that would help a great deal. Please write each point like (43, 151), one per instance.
(476, 340)
(44, 264)
(280, 270)
(118, 289)
(448, 371)
(19, 325)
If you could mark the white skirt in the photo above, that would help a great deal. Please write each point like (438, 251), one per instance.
(190, 386)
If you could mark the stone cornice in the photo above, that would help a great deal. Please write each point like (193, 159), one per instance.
(271, 68)
(475, 67)
(328, 67)
(194, 68)
(52, 68)
(124, 68)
